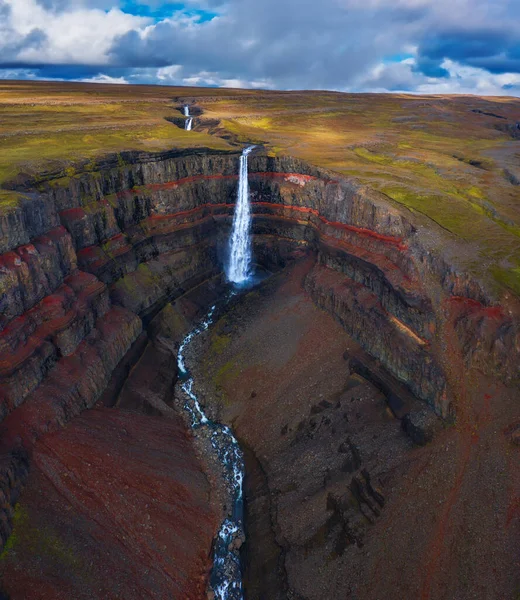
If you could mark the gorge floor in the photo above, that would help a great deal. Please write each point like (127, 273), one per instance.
(340, 504)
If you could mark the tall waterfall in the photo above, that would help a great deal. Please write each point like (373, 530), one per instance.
(238, 270)
(189, 121)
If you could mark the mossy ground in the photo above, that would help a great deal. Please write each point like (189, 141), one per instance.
(46, 126)
(432, 154)
(42, 541)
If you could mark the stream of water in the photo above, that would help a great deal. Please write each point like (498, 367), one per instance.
(226, 576)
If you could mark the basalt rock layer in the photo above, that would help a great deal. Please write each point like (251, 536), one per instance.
(89, 260)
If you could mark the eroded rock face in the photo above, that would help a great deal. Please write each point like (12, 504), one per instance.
(399, 348)
(89, 261)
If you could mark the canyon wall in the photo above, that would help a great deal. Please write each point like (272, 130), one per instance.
(89, 259)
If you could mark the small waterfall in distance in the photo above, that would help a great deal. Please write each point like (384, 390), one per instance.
(239, 267)
(189, 122)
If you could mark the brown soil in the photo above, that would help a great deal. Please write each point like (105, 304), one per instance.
(116, 507)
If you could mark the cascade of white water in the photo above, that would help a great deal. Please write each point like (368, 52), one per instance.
(189, 122)
(238, 270)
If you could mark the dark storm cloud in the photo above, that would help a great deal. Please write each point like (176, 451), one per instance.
(496, 50)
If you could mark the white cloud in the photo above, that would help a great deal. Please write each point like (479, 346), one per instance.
(287, 44)
(73, 36)
(205, 78)
(102, 78)
(403, 77)
(169, 74)
(471, 80)
(17, 74)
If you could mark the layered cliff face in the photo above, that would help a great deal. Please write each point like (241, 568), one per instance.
(89, 260)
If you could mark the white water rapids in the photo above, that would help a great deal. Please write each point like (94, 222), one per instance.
(189, 121)
(239, 267)
(226, 576)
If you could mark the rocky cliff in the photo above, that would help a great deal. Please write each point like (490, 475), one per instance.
(88, 260)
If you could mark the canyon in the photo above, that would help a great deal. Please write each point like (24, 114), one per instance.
(371, 380)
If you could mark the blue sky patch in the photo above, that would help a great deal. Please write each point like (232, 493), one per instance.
(164, 10)
(397, 58)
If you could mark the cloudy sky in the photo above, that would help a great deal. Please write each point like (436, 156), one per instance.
(437, 46)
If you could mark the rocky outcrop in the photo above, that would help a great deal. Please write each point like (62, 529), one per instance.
(392, 342)
(75, 382)
(33, 271)
(90, 259)
(33, 344)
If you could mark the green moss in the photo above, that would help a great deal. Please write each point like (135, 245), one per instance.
(51, 546)
(508, 277)
(372, 156)
(146, 275)
(169, 323)
(224, 377)
(20, 524)
(112, 200)
(41, 541)
(58, 136)
(219, 343)
(476, 192)
(137, 283)
(9, 201)
(107, 249)
(224, 370)
(244, 133)
(464, 218)
(91, 166)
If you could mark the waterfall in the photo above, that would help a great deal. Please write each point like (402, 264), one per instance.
(189, 121)
(226, 575)
(238, 270)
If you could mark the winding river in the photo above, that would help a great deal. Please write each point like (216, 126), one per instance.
(226, 577)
